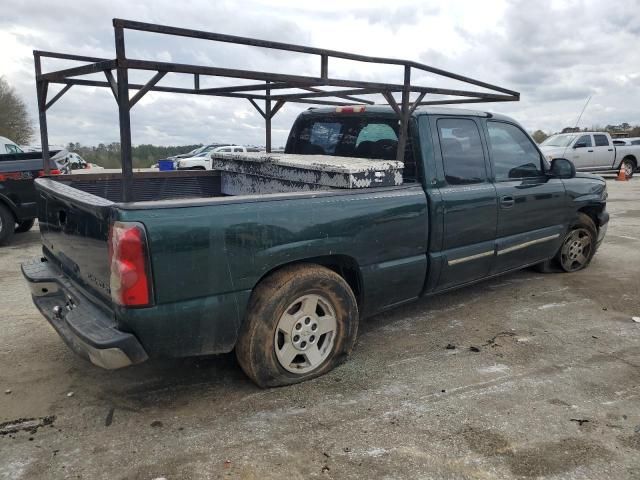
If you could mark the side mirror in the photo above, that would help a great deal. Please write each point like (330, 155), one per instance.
(580, 145)
(562, 168)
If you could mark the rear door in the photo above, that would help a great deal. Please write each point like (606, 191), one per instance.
(603, 151)
(531, 206)
(583, 154)
(468, 201)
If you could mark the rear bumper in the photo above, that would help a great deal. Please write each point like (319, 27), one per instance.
(87, 329)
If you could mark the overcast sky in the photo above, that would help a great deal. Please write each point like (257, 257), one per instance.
(555, 53)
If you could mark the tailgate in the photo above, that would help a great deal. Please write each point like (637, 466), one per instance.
(75, 227)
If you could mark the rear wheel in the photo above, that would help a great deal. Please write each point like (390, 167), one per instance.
(301, 323)
(7, 225)
(628, 166)
(25, 225)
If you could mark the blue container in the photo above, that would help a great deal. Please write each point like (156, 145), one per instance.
(166, 165)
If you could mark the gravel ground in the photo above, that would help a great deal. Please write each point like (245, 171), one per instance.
(551, 388)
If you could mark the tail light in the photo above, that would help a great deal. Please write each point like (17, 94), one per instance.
(53, 171)
(130, 268)
(351, 109)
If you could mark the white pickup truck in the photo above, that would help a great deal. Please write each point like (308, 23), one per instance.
(592, 152)
(203, 161)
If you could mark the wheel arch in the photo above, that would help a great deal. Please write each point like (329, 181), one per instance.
(344, 265)
(593, 212)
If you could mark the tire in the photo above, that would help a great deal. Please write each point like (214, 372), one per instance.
(7, 225)
(277, 345)
(25, 225)
(579, 245)
(628, 166)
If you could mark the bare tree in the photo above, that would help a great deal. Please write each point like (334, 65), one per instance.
(539, 136)
(15, 123)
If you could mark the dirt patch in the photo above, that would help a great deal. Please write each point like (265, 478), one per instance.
(631, 441)
(548, 458)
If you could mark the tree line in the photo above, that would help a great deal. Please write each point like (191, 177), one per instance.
(108, 155)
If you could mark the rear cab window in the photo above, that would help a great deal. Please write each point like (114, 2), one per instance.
(345, 135)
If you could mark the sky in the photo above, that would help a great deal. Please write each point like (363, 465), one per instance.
(555, 53)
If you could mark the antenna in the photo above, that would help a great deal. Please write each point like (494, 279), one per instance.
(583, 109)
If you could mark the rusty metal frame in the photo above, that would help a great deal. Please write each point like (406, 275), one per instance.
(349, 92)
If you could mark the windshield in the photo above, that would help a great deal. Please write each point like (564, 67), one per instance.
(559, 141)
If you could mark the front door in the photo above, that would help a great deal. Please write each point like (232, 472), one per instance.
(469, 203)
(531, 206)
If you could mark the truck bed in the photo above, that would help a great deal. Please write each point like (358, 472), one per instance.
(149, 186)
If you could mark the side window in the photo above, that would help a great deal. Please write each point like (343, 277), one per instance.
(226, 149)
(12, 148)
(635, 142)
(514, 155)
(601, 140)
(584, 140)
(462, 153)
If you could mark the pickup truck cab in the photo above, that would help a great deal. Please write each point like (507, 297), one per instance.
(203, 160)
(593, 152)
(284, 278)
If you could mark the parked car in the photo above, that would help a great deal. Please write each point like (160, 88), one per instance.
(285, 278)
(18, 196)
(195, 152)
(592, 152)
(203, 160)
(9, 146)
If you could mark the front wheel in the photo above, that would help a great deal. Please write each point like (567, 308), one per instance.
(579, 245)
(302, 322)
(628, 166)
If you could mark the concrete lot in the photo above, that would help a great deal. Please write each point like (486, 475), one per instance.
(553, 390)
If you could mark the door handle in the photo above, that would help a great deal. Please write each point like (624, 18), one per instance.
(507, 201)
(610, 150)
(589, 150)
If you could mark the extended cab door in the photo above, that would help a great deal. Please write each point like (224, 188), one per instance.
(532, 213)
(468, 200)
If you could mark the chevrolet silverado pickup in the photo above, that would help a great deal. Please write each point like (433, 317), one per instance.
(284, 278)
(593, 152)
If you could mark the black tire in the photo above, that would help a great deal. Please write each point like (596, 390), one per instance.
(271, 301)
(25, 225)
(629, 166)
(7, 225)
(583, 228)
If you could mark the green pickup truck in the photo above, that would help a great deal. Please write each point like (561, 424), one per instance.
(285, 278)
